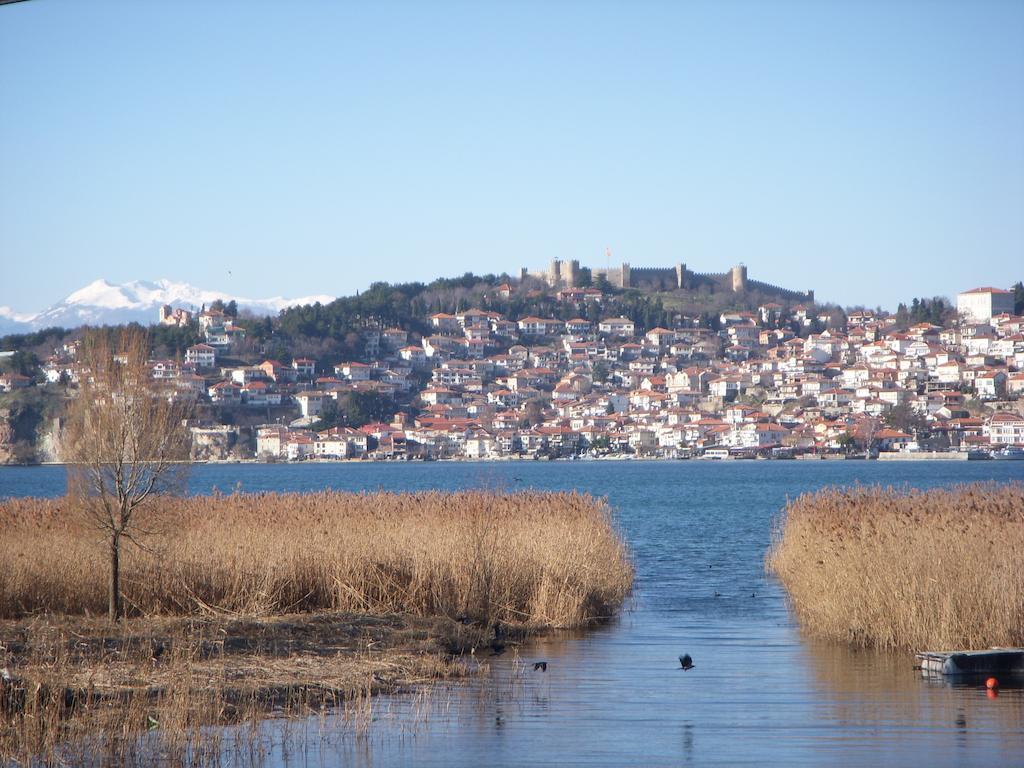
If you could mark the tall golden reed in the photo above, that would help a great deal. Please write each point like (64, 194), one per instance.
(541, 558)
(935, 570)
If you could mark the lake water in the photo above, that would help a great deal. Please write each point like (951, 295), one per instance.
(761, 693)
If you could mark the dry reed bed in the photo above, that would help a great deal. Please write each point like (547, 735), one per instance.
(86, 691)
(461, 561)
(550, 559)
(908, 569)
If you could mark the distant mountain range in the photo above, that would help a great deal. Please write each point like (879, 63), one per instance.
(105, 303)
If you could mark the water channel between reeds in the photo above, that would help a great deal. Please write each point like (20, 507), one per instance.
(760, 693)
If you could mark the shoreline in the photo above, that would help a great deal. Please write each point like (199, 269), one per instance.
(952, 456)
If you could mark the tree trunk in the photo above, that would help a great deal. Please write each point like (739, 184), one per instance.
(114, 603)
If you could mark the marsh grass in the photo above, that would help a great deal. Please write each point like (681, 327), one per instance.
(62, 710)
(906, 569)
(285, 604)
(534, 558)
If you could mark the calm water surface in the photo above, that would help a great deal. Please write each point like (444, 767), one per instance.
(761, 694)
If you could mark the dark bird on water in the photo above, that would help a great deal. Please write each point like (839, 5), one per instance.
(158, 650)
(541, 665)
(686, 662)
(497, 644)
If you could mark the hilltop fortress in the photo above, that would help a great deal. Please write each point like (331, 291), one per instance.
(566, 274)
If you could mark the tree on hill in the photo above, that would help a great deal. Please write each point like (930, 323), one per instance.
(354, 409)
(936, 311)
(905, 419)
(836, 317)
(41, 342)
(26, 413)
(1018, 298)
(125, 442)
(22, 362)
(171, 340)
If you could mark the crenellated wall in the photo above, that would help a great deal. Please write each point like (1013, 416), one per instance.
(785, 293)
(566, 274)
(654, 277)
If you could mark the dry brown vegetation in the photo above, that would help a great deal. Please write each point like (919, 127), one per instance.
(910, 569)
(86, 690)
(279, 599)
(547, 559)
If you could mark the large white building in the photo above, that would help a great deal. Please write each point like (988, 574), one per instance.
(979, 305)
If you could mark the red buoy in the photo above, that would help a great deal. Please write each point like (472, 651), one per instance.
(992, 684)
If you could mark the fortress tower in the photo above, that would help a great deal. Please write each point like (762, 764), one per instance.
(569, 273)
(563, 274)
(739, 278)
(554, 272)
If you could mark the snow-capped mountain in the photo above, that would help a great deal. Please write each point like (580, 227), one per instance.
(105, 303)
(13, 322)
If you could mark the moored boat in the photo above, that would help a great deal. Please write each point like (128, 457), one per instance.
(1009, 453)
(1006, 661)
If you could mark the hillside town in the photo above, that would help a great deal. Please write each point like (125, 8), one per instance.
(778, 381)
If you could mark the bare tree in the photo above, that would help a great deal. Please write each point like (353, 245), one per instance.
(126, 442)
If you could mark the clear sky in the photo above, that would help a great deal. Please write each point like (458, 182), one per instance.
(873, 151)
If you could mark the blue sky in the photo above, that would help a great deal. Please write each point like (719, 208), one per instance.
(873, 151)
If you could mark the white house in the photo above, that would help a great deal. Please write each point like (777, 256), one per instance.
(414, 355)
(353, 371)
(310, 403)
(270, 441)
(1005, 428)
(304, 367)
(201, 356)
(617, 326)
(990, 385)
(226, 392)
(750, 435)
(539, 326)
(978, 305)
(444, 322)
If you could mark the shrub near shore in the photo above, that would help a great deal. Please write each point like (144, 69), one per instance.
(911, 569)
(550, 559)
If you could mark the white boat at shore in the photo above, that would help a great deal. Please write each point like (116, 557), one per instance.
(1009, 453)
(1007, 661)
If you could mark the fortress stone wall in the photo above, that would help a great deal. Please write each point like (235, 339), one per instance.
(566, 274)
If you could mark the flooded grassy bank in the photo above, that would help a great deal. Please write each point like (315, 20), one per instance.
(244, 604)
(908, 569)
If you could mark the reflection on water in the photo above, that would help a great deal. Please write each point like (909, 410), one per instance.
(760, 693)
(853, 709)
(953, 721)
